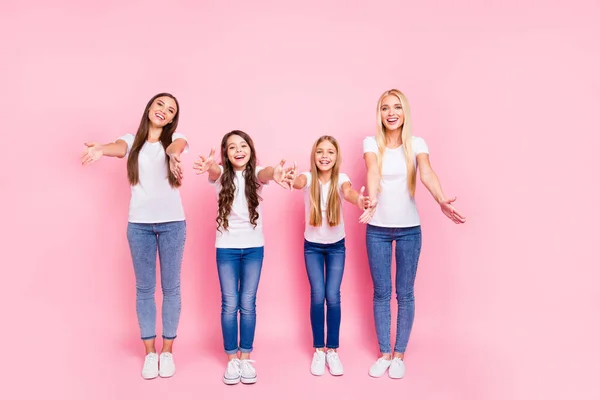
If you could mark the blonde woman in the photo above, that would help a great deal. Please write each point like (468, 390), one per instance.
(324, 246)
(392, 158)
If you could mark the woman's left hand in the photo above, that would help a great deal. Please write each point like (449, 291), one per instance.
(175, 166)
(451, 212)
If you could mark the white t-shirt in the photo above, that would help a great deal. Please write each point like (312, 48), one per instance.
(396, 208)
(323, 234)
(240, 234)
(153, 200)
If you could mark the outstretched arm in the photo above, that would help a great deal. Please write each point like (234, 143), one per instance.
(284, 177)
(432, 183)
(208, 164)
(174, 151)
(354, 197)
(373, 179)
(94, 151)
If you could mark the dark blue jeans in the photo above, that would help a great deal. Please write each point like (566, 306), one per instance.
(325, 269)
(144, 240)
(379, 250)
(239, 274)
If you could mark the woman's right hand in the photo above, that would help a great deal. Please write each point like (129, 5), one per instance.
(92, 153)
(203, 164)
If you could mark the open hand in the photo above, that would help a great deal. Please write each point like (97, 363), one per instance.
(284, 177)
(175, 166)
(203, 164)
(451, 212)
(92, 153)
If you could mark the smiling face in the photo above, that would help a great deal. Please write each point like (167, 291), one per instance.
(325, 156)
(392, 113)
(238, 152)
(162, 111)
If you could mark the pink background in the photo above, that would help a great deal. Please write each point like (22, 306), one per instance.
(505, 93)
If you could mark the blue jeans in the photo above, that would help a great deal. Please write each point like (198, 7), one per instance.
(144, 240)
(325, 269)
(379, 250)
(239, 274)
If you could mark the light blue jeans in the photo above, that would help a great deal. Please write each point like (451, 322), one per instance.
(379, 251)
(144, 240)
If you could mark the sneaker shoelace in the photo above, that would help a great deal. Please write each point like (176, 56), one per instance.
(333, 357)
(247, 367)
(233, 366)
(382, 360)
(150, 359)
(397, 360)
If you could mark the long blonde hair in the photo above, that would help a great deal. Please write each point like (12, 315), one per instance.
(333, 200)
(406, 138)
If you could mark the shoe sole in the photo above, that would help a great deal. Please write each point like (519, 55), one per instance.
(231, 381)
(377, 376)
(334, 373)
(166, 376)
(249, 381)
(315, 374)
(150, 377)
(395, 377)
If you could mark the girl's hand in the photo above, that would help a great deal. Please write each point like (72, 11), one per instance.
(363, 201)
(284, 177)
(366, 216)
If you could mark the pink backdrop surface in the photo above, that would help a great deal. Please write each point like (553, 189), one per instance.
(506, 94)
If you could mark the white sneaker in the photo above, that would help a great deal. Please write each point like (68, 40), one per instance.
(379, 367)
(233, 372)
(150, 368)
(396, 369)
(334, 363)
(248, 371)
(166, 366)
(317, 367)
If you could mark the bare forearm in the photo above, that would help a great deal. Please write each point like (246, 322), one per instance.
(432, 183)
(115, 149)
(214, 172)
(266, 174)
(351, 196)
(176, 147)
(373, 183)
(300, 182)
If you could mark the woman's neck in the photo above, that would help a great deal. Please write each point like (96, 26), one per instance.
(393, 138)
(154, 134)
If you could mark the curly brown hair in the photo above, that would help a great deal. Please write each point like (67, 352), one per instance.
(227, 193)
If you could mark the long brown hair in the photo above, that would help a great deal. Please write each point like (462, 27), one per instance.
(333, 211)
(166, 138)
(227, 193)
(406, 139)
